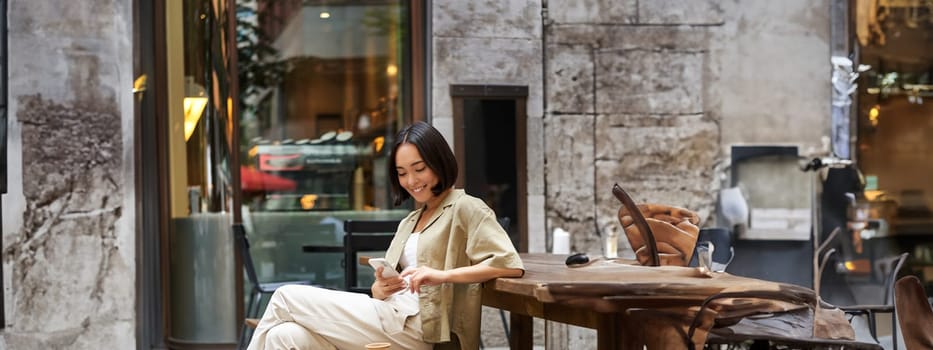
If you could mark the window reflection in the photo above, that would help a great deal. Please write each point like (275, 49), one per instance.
(313, 142)
(323, 86)
(200, 133)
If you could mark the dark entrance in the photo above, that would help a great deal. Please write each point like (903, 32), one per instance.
(489, 123)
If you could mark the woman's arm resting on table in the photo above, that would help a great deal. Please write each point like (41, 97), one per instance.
(426, 276)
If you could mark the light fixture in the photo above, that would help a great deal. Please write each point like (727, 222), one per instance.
(861, 266)
(195, 102)
(325, 14)
(139, 85)
(873, 115)
(392, 70)
(307, 201)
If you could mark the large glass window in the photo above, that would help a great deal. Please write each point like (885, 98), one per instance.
(202, 271)
(324, 89)
(895, 134)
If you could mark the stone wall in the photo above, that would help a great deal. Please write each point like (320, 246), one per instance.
(68, 219)
(646, 94)
(650, 95)
(628, 104)
(626, 86)
(772, 74)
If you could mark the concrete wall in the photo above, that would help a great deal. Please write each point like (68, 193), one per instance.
(646, 94)
(68, 219)
(772, 78)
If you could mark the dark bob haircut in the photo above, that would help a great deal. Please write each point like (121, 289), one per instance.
(435, 152)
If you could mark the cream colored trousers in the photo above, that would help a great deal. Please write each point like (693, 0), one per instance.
(304, 317)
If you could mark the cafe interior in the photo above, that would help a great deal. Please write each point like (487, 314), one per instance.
(894, 125)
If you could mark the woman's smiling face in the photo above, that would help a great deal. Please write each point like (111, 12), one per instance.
(414, 174)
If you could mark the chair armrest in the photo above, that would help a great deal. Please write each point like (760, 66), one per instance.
(251, 322)
(861, 309)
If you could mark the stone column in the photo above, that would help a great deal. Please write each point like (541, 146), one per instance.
(68, 245)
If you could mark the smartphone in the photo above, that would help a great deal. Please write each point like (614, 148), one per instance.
(387, 269)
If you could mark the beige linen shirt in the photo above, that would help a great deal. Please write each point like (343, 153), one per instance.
(463, 232)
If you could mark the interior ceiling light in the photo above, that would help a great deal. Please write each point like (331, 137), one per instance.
(325, 14)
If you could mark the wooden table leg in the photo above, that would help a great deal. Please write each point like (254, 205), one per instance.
(521, 332)
(609, 333)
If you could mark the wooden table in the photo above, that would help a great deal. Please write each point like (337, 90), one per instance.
(614, 296)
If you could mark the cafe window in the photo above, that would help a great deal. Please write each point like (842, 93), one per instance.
(198, 139)
(895, 133)
(325, 87)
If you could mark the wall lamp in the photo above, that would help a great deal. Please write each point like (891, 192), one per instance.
(195, 102)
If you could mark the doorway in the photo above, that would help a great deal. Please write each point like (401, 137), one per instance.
(490, 143)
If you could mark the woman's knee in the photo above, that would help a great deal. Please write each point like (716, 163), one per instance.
(289, 289)
(288, 293)
(289, 335)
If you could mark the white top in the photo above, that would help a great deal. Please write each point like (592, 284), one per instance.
(409, 256)
(406, 301)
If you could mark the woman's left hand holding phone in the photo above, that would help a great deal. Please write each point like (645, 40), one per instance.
(383, 287)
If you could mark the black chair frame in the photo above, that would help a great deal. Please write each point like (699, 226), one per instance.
(258, 288)
(361, 236)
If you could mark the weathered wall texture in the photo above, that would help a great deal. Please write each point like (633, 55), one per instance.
(651, 94)
(627, 103)
(68, 245)
(772, 84)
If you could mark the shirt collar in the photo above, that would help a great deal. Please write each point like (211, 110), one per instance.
(448, 201)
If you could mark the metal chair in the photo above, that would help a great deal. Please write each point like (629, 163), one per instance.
(258, 288)
(889, 268)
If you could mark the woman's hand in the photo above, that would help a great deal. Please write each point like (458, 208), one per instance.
(424, 276)
(384, 287)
